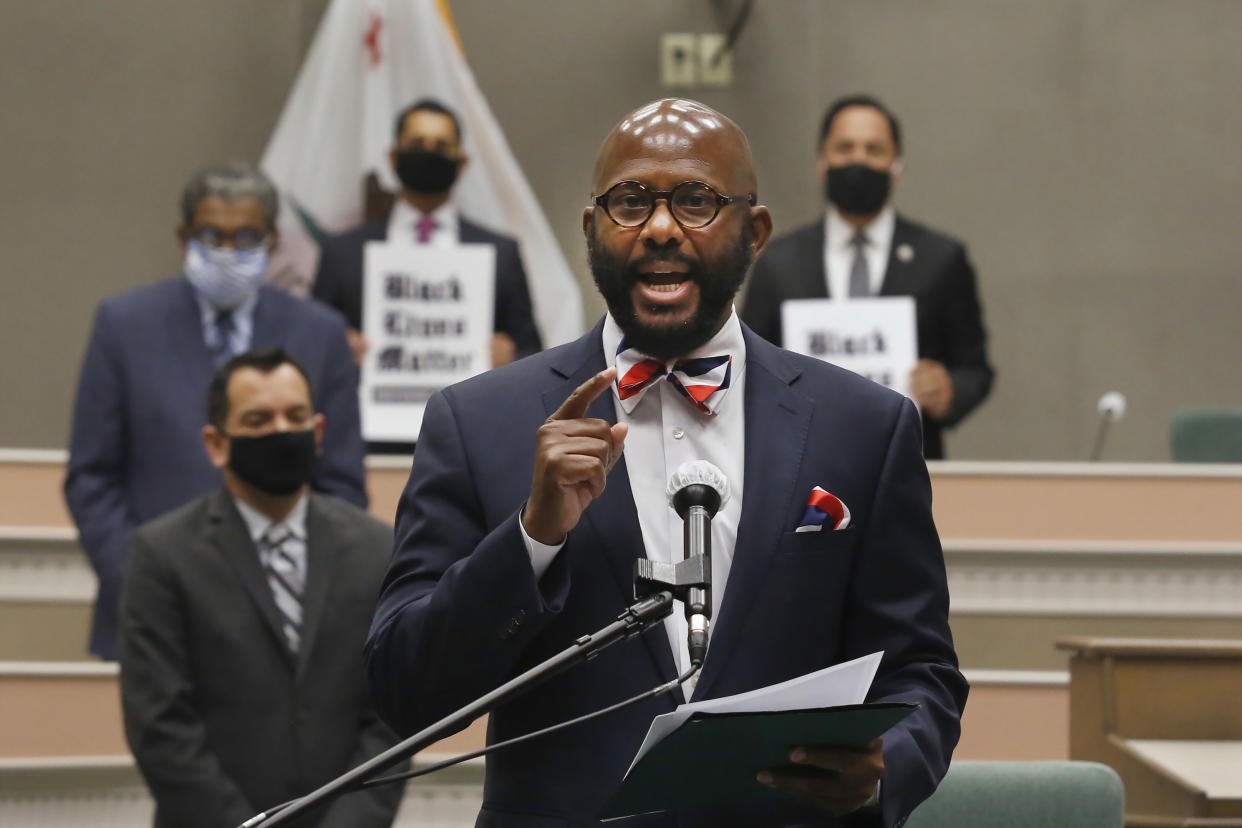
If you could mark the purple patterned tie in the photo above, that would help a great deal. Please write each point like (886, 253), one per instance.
(425, 227)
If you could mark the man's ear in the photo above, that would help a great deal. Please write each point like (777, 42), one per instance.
(392, 158)
(588, 220)
(896, 170)
(216, 443)
(761, 227)
(462, 161)
(821, 169)
(318, 422)
(183, 235)
(821, 163)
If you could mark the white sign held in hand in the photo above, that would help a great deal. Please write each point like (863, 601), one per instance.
(875, 337)
(427, 317)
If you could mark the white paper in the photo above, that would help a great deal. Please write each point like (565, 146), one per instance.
(876, 337)
(427, 316)
(841, 684)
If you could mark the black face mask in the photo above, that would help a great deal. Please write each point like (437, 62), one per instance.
(422, 171)
(278, 464)
(858, 189)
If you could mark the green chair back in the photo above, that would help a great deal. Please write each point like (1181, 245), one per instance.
(1059, 794)
(1206, 435)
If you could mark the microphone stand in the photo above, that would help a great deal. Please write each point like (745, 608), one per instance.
(1101, 432)
(646, 612)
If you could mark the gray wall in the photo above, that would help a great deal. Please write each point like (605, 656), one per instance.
(1085, 150)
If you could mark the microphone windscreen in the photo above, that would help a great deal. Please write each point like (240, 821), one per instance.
(698, 472)
(1112, 405)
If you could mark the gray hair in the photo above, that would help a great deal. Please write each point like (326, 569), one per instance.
(230, 180)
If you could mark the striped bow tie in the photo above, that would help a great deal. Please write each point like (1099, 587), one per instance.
(702, 381)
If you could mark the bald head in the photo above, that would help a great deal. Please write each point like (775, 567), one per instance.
(679, 129)
(669, 266)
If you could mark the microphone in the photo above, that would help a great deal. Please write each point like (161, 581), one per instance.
(697, 490)
(1111, 407)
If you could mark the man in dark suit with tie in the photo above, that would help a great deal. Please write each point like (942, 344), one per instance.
(427, 158)
(864, 248)
(537, 486)
(243, 618)
(135, 450)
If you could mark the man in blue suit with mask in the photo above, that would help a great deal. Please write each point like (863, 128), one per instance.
(536, 487)
(135, 450)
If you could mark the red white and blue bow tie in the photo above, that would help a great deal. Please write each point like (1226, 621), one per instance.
(701, 381)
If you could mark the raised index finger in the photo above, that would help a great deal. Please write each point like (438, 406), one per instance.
(576, 404)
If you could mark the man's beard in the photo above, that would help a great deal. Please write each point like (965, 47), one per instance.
(718, 283)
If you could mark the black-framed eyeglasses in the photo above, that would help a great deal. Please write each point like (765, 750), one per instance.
(243, 239)
(693, 204)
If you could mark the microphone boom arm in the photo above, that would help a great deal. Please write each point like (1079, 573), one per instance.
(637, 618)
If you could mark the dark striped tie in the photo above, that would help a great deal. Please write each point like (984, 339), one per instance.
(860, 276)
(286, 575)
(225, 326)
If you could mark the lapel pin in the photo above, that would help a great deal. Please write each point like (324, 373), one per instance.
(905, 253)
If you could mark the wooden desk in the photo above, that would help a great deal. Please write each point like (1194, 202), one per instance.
(1165, 714)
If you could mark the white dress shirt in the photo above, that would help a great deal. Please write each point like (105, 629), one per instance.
(243, 323)
(258, 524)
(404, 218)
(839, 253)
(666, 431)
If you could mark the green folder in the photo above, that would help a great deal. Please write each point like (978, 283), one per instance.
(712, 759)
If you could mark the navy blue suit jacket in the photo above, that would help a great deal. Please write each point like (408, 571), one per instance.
(938, 275)
(136, 449)
(338, 281)
(461, 610)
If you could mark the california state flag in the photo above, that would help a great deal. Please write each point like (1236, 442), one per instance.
(370, 59)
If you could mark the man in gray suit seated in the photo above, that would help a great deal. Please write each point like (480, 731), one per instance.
(135, 450)
(243, 617)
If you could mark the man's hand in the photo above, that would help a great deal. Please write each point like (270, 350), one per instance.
(837, 780)
(357, 344)
(573, 456)
(504, 349)
(932, 387)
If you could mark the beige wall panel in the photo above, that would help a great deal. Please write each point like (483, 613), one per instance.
(34, 631)
(1015, 723)
(1027, 642)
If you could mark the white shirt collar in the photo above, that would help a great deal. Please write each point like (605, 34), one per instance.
(727, 340)
(258, 523)
(879, 230)
(209, 312)
(403, 221)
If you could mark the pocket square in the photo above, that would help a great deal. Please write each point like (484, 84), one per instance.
(821, 506)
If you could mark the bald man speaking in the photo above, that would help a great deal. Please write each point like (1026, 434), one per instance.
(536, 486)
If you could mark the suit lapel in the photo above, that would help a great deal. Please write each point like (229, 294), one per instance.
(183, 325)
(233, 542)
(814, 276)
(612, 517)
(901, 273)
(270, 320)
(468, 232)
(778, 420)
(376, 230)
(322, 552)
